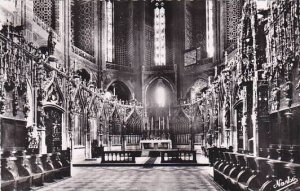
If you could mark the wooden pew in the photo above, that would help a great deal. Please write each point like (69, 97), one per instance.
(21, 172)
(235, 171)
(37, 170)
(9, 173)
(65, 158)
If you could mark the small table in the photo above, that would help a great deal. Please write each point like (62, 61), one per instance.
(156, 144)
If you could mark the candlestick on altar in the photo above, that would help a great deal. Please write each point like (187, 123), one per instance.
(168, 123)
(158, 123)
(163, 122)
(152, 122)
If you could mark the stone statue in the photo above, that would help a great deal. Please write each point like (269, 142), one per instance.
(227, 115)
(51, 43)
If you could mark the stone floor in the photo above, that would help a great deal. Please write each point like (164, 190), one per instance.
(136, 179)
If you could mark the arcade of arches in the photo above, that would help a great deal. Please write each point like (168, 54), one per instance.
(161, 81)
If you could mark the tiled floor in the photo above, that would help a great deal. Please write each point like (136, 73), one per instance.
(137, 179)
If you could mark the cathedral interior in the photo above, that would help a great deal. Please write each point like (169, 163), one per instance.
(92, 83)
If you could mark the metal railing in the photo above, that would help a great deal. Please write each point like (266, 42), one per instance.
(118, 157)
(178, 157)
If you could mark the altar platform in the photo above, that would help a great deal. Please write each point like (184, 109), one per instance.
(156, 144)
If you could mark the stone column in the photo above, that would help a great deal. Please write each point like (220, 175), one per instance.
(88, 122)
(244, 119)
(42, 140)
(255, 90)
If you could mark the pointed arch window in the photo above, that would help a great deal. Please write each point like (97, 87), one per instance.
(109, 31)
(210, 30)
(159, 34)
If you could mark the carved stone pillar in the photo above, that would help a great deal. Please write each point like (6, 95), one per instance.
(42, 141)
(88, 147)
(245, 119)
(41, 129)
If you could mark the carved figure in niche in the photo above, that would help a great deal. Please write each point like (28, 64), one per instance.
(288, 91)
(216, 113)
(51, 43)
(41, 96)
(88, 127)
(290, 59)
(53, 98)
(238, 95)
(244, 120)
(298, 85)
(55, 128)
(248, 71)
(26, 107)
(41, 118)
(15, 103)
(209, 137)
(208, 120)
(202, 121)
(2, 101)
(71, 115)
(275, 97)
(266, 70)
(32, 135)
(227, 114)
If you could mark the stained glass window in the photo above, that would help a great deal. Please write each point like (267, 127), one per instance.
(159, 35)
(160, 96)
(109, 31)
(210, 31)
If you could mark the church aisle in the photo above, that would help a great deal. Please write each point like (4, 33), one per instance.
(136, 179)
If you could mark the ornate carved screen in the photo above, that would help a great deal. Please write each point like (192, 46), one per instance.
(181, 128)
(198, 126)
(133, 129)
(115, 130)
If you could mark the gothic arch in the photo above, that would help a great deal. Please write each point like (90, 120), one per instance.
(134, 123)
(198, 125)
(181, 127)
(151, 86)
(54, 96)
(116, 123)
(164, 79)
(122, 90)
(96, 106)
(197, 86)
(80, 113)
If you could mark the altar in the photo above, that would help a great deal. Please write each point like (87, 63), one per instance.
(156, 144)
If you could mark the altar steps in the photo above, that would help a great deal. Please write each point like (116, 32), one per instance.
(150, 162)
